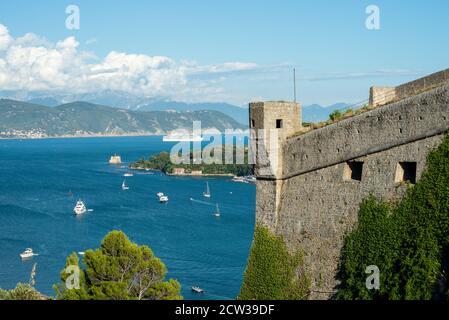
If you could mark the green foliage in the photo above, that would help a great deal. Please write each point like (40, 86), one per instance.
(272, 272)
(74, 294)
(3, 294)
(408, 241)
(22, 292)
(339, 115)
(163, 163)
(120, 270)
(335, 115)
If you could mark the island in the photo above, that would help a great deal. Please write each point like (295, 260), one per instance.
(163, 163)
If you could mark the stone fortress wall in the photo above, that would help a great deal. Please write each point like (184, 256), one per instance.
(382, 95)
(311, 196)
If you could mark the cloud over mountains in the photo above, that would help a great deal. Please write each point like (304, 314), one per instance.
(32, 63)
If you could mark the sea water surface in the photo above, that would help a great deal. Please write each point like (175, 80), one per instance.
(42, 179)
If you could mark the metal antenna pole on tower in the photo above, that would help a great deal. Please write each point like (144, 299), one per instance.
(294, 85)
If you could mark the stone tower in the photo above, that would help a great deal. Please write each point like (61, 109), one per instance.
(271, 123)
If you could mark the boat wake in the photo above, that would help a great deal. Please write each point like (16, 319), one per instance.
(202, 202)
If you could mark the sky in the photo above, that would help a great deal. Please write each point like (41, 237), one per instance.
(221, 51)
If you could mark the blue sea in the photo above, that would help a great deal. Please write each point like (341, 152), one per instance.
(42, 179)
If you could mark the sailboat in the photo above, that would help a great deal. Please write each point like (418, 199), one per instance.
(217, 212)
(124, 186)
(207, 193)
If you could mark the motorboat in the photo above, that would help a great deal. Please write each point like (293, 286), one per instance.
(162, 197)
(28, 253)
(197, 289)
(80, 208)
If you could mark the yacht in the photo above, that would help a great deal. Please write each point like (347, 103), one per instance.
(124, 186)
(251, 179)
(238, 179)
(80, 208)
(207, 193)
(162, 197)
(28, 253)
(197, 290)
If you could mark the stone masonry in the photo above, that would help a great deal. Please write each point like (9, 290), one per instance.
(311, 195)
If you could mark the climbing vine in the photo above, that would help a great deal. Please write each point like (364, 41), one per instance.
(408, 241)
(272, 272)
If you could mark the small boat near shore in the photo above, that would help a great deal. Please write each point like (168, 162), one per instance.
(128, 175)
(247, 179)
(207, 194)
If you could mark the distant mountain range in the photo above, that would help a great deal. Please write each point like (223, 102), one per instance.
(317, 113)
(123, 100)
(28, 120)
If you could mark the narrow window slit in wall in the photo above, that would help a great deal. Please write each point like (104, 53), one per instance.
(353, 171)
(406, 172)
(279, 124)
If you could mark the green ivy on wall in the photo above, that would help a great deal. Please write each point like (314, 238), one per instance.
(408, 241)
(272, 272)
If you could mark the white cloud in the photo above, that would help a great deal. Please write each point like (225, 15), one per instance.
(32, 63)
(5, 38)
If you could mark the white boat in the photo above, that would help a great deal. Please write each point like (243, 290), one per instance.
(197, 290)
(124, 186)
(182, 136)
(28, 253)
(128, 175)
(217, 212)
(238, 179)
(251, 179)
(207, 193)
(80, 208)
(81, 253)
(162, 197)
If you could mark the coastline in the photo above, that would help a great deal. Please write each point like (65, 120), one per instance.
(187, 174)
(201, 175)
(100, 135)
